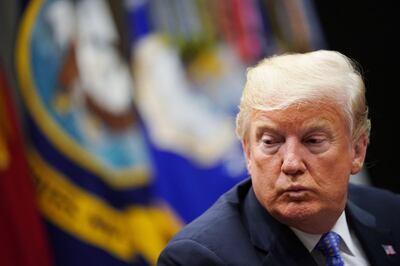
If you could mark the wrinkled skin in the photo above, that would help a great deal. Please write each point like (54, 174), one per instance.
(300, 160)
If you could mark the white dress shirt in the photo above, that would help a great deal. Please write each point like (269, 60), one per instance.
(350, 248)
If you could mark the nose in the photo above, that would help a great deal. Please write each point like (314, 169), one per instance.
(292, 158)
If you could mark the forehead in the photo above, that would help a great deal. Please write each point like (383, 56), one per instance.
(300, 116)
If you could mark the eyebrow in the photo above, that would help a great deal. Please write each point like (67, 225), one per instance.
(318, 125)
(263, 126)
(310, 126)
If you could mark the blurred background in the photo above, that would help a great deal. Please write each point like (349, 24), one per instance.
(117, 117)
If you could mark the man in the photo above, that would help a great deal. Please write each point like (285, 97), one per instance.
(304, 127)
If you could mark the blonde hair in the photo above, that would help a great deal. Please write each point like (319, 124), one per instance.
(280, 81)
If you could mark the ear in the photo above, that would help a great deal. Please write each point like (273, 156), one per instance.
(360, 150)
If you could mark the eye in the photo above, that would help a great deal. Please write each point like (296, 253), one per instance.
(269, 140)
(270, 143)
(314, 140)
(317, 143)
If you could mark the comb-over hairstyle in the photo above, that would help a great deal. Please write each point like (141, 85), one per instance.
(280, 81)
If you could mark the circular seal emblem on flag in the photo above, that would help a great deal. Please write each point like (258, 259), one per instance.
(79, 93)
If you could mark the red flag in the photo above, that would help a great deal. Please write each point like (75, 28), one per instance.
(22, 236)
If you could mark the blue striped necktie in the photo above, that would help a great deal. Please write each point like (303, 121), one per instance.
(329, 246)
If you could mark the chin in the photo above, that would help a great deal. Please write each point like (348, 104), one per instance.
(295, 213)
(309, 217)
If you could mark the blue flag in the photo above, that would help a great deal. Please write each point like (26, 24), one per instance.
(187, 93)
(88, 156)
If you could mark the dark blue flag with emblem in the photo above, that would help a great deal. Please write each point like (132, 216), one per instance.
(88, 155)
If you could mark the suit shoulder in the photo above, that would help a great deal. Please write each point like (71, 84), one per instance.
(375, 199)
(188, 252)
(222, 218)
(358, 192)
(215, 233)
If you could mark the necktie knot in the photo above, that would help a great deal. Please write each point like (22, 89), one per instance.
(329, 246)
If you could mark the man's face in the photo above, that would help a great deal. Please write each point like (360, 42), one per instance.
(300, 160)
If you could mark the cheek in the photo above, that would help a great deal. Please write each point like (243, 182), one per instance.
(264, 190)
(332, 181)
(262, 162)
(264, 168)
(339, 186)
(332, 169)
(264, 175)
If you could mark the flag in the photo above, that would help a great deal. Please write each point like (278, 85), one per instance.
(389, 250)
(23, 239)
(187, 90)
(87, 152)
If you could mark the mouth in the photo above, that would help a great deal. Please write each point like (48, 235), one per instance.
(296, 192)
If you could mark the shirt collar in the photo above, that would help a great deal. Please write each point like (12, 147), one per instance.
(340, 227)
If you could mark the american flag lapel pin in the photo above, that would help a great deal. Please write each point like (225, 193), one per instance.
(389, 250)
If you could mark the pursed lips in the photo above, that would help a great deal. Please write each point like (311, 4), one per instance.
(295, 192)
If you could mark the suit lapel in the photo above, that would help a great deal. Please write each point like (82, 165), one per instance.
(288, 250)
(372, 238)
(276, 243)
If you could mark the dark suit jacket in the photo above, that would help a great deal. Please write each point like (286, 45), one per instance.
(237, 230)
